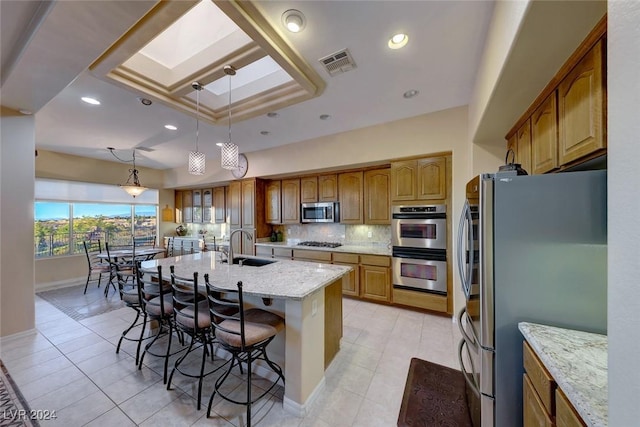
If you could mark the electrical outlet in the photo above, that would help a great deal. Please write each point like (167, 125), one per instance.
(369, 234)
(314, 307)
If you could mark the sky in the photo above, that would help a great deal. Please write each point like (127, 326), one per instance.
(52, 210)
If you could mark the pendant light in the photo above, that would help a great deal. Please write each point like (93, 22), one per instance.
(229, 150)
(196, 158)
(132, 188)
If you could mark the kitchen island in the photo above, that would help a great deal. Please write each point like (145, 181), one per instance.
(309, 297)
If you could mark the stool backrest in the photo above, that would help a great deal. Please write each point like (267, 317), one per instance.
(231, 307)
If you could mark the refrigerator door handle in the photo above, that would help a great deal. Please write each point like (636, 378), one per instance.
(485, 227)
(486, 371)
(461, 248)
(471, 381)
(470, 339)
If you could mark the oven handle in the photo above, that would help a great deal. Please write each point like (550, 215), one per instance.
(470, 380)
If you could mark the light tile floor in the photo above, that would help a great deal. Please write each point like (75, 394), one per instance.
(71, 368)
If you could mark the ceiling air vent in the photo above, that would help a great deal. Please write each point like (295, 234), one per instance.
(339, 62)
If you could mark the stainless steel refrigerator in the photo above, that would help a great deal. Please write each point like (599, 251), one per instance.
(532, 249)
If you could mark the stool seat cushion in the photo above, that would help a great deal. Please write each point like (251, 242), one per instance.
(153, 306)
(130, 296)
(258, 326)
(185, 317)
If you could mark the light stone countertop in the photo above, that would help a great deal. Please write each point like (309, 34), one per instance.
(372, 249)
(282, 279)
(578, 362)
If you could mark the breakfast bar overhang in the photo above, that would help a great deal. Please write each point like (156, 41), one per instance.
(308, 295)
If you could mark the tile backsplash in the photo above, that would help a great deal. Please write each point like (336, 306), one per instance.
(341, 233)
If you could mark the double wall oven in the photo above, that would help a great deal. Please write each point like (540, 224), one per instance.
(419, 239)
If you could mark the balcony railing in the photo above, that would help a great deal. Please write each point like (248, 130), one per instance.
(57, 244)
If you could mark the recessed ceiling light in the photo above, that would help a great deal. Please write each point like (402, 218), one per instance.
(171, 127)
(294, 20)
(325, 117)
(398, 40)
(264, 132)
(272, 114)
(144, 101)
(410, 93)
(26, 112)
(91, 101)
(219, 144)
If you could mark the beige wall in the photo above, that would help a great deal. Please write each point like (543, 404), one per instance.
(17, 145)
(623, 297)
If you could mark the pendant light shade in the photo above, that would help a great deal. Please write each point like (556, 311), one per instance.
(229, 150)
(132, 188)
(196, 158)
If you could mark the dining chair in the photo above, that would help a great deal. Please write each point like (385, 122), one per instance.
(191, 316)
(157, 302)
(96, 264)
(131, 295)
(246, 335)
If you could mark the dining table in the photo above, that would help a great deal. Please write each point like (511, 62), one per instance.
(125, 255)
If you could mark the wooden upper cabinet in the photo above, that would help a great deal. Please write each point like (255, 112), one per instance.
(523, 142)
(234, 203)
(219, 205)
(581, 112)
(309, 189)
(248, 216)
(403, 180)
(377, 208)
(273, 197)
(178, 202)
(187, 206)
(197, 206)
(290, 201)
(328, 188)
(350, 191)
(544, 137)
(432, 178)
(207, 205)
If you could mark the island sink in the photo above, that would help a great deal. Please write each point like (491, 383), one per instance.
(253, 262)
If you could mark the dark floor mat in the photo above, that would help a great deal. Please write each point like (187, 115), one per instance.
(77, 305)
(14, 409)
(434, 395)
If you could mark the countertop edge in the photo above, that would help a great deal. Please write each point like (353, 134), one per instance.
(381, 250)
(592, 406)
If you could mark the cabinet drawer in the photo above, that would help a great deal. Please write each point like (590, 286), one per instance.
(566, 415)
(304, 255)
(282, 253)
(348, 258)
(540, 378)
(382, 261)
(534, 413)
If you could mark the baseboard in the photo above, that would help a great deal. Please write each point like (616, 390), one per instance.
(302, 410)
(17, 336)
(47, 286)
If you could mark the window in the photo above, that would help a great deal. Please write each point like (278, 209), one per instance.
(62, 225)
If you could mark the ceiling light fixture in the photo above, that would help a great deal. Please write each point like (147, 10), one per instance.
(398, 41)
(170, 127)
(145, 101)
(196, 158)
(91, 101)
(229, 150)
(325, 117)
(294, 20)
(132, 188)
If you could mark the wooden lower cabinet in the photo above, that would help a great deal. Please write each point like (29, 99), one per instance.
(332, 321)
(544, 403)
(350, 283)
(534, 413)
(375, 277)
(566, 415)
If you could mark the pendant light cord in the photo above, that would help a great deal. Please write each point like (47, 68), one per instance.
(229, 108)
(198, 88)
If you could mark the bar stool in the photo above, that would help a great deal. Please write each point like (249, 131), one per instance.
(191, 316)
(132, 297)
(157, 303)
(245, 335)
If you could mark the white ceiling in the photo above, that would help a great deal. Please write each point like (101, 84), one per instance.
(440, 61)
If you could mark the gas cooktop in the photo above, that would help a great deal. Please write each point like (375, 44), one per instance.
(320, 244)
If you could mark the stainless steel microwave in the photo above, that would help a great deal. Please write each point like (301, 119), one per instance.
(320, 212)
